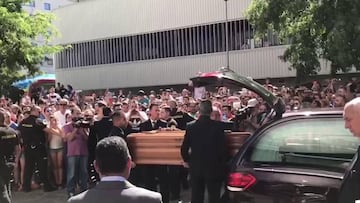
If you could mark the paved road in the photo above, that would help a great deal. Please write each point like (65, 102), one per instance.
(59, 196)
(38, 196)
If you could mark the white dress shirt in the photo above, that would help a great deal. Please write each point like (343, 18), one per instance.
(113, 178)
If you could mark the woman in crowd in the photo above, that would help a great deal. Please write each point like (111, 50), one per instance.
(56, 146)
(48, 111)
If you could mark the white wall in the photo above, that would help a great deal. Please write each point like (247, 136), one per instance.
(98, 19)
(256, 63)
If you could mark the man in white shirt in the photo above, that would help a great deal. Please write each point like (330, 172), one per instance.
(113, 163)
(60, 114)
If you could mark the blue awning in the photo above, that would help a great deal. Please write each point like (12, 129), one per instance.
(25, 84)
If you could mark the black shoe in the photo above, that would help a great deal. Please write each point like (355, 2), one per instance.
(50, 189)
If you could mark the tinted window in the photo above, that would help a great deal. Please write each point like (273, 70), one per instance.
(310, 142)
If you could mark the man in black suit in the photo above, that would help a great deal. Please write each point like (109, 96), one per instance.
(182, 118)
(121, 128)
(119, 124)
(207, 160)
(153, 123)
(98, 131)
(150, 172)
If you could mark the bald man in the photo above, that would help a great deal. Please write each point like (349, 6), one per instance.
(352, 116)
(350, 188)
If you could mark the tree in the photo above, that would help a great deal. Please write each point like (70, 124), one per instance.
(18, 34)
(328, 29)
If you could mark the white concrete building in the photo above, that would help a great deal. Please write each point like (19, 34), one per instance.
(45, 6)
(137, 43)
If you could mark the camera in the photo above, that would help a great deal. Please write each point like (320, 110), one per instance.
(81, 122)
(41, 122)
(243, 114)
(240, 116)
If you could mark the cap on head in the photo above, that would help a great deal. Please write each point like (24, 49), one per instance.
(252, 102)
(101, 103)
(141, 93)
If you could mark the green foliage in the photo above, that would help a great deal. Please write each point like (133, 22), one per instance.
(19, 32)
(328, 29)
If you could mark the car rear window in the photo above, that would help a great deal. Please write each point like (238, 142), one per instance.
(314, 142)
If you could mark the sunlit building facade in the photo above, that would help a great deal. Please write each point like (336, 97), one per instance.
(120, 44)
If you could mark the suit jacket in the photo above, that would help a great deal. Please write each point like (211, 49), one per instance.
(102, 128)
(350, 187)
(98, 131)
(147, 125)
(207, 142)
(115, 131)
(115, 192)
(181, 118)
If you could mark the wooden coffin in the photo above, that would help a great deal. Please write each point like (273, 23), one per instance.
(163, 147)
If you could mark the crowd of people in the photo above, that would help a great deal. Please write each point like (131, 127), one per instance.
(60, 129)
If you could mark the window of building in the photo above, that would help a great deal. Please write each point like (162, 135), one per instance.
(202, 39)
(30, 4)
(47, 6)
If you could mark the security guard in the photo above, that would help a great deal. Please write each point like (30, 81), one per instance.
(9, 143)
(32, 131)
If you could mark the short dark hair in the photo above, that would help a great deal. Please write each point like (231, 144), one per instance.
(118, 115)
(205, 108)
(153, 105)
(106, 111)
(112, 155)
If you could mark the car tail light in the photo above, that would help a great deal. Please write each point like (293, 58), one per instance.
(240, 181)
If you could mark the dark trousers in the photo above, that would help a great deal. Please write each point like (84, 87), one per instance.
(5, 192)
(136, 176)
(184, 173)
(154, 175)
(174, 181)
(34, 156)
(198, 185)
